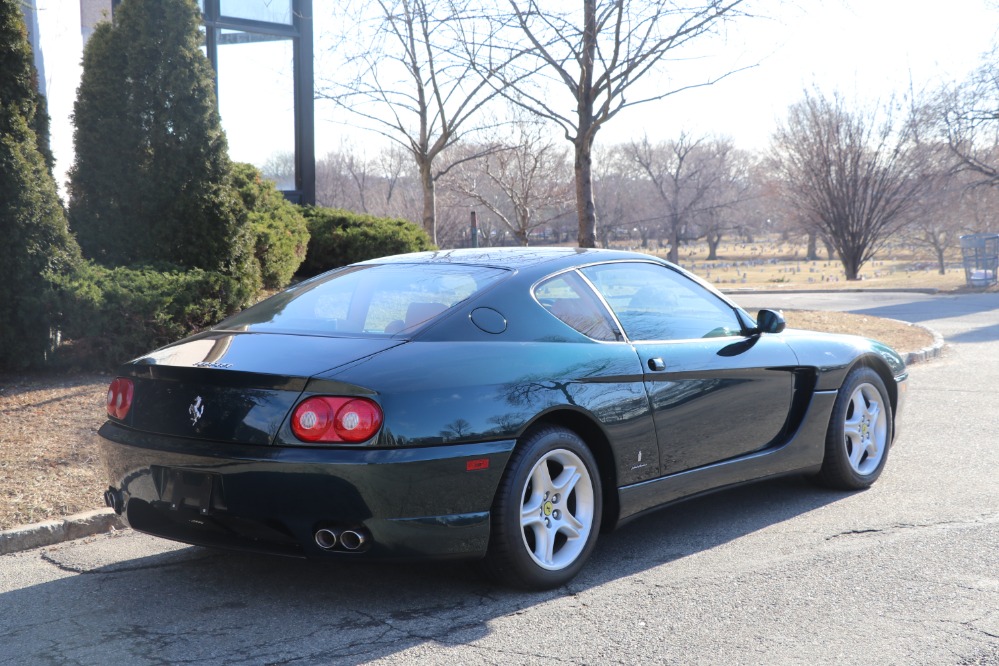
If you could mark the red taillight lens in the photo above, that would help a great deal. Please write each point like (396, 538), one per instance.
(336, 419)
(120, 397)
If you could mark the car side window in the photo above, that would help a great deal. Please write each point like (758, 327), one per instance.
(569, 298)
(654, 302)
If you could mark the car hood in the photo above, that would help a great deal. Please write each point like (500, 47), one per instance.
(233, 387)
(839, 349)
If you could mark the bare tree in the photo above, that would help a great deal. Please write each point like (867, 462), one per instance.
(970, 116)
(688, 174)
(411, 84)
(728, 201)
(280, 167)
(621, 200)
(944, 209)
(378, 185)
(853, 175)
(589, 61)
(524, 184)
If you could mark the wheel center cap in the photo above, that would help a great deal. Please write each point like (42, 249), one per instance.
(547, 508)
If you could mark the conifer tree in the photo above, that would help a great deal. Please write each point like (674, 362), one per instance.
(152, 179)
(36, 243)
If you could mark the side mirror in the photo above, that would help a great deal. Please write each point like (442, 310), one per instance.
(770, 321)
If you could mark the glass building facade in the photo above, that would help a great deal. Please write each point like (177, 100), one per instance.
(262, 54)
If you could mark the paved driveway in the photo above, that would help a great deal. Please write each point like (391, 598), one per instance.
(776, 573)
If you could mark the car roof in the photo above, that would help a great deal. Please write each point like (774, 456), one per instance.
(514, 257)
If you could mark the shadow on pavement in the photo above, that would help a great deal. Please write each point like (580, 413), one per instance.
(198, 605)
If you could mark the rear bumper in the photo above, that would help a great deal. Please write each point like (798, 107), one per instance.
(416, 503)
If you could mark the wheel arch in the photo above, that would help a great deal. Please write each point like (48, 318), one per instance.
(593, 435)
(878, 365)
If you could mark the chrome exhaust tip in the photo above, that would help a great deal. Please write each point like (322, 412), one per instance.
(326, 538)
(352, 539)
(114, 500)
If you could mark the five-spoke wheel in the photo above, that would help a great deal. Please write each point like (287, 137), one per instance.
(547, 511)
(859, 432)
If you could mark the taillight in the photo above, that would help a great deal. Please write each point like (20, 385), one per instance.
(120, 397)
(336, 419)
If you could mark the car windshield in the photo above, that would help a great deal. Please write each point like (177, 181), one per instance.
(377, 299)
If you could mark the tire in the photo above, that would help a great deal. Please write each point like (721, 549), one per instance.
(546, 514)
(859, 434)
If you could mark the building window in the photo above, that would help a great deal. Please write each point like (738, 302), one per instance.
(262, 54)
(268, 11)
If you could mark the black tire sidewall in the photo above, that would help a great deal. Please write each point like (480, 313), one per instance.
(508, 560)
(837, 472)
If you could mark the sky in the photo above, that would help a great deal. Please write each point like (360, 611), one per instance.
(865, 49)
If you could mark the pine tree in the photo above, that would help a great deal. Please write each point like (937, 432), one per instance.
(152, 178)
(36, 242)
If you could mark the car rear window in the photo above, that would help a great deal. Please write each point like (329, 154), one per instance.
(379, 299)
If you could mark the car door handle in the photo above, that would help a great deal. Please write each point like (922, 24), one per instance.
(656, 364)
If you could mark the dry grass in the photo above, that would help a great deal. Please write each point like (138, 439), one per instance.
(771, 263)
(49, 465)
(899, 335)
(48, 446)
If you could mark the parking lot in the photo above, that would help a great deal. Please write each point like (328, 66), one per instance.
(779, 572)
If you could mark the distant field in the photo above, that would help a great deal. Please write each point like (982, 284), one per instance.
(773, 264)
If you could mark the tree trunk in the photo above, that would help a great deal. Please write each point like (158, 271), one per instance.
(429, 200)
(585, 129)
(674, 242)
(713, 240)
(851, 266)
(830, 250)
(941, 262)
(813, 247)
(604, 236)
(584, 193)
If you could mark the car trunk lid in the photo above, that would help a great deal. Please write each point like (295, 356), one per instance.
(234, 387)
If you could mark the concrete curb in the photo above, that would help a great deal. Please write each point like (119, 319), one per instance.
(100, 521)
(52, 532)
(886, 290)
(926, 353)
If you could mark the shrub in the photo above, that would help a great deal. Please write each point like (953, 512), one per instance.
(339, 237)
(278, 226)
(152, 179)
(36, 244)
(114, 314)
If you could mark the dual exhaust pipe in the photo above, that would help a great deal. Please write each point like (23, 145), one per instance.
(350, 540)
(326, 538)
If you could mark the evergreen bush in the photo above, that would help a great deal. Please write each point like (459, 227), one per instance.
(340, 237)
(152, 179)
(115, 314)
(278, 226)
(35, 243)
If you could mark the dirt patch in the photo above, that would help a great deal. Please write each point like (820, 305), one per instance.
(49, 466)
(899, 335)
(48, 446)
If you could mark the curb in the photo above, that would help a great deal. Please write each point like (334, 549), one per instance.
(847, 290)
(100, 521)
(52, 532)
(926, 353)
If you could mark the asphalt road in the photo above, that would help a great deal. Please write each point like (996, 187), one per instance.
(776, 573)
